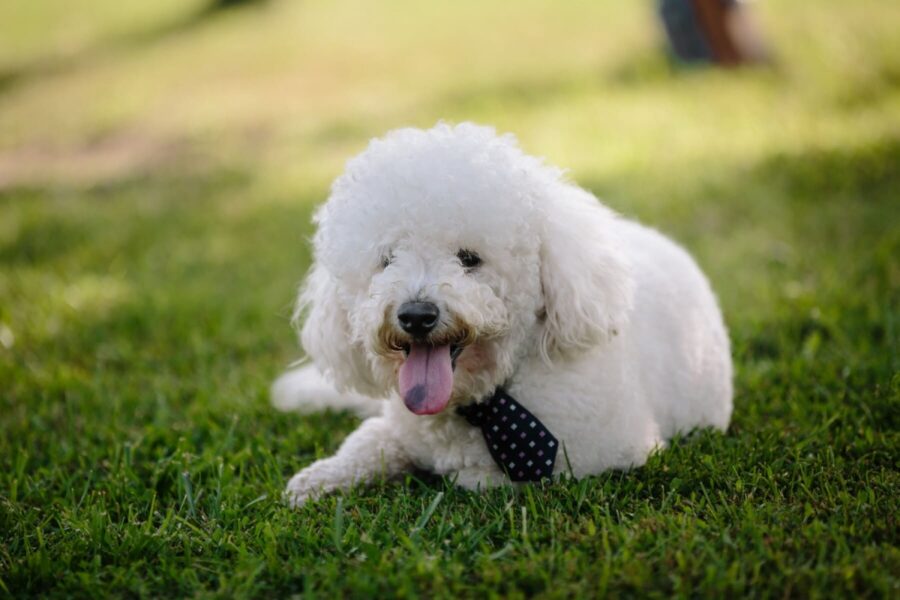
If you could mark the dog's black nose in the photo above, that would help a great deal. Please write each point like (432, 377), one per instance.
(418, 318)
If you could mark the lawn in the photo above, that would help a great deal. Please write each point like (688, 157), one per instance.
(159, 163)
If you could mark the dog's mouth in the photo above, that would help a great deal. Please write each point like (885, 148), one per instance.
(426, 376)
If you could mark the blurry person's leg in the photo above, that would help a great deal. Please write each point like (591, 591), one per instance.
(746, 33)
(712, 31)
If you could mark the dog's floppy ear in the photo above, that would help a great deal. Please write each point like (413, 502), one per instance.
(326, 334)
(586, 279)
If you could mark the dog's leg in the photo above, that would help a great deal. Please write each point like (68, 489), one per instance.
(305, 390)
(369, 453)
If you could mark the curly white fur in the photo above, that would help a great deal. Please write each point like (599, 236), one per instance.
(604, 329)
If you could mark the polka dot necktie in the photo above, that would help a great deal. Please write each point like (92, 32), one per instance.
(518, 442)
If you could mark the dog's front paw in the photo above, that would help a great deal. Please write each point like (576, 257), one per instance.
(302, 488)
(480, 477)
(314, 481)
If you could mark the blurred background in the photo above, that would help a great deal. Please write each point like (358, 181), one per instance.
(94, 91)
(159, 161)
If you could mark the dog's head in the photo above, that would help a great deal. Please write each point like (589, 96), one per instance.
(445, 257)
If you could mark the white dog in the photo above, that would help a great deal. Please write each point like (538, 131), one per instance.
(452, 270)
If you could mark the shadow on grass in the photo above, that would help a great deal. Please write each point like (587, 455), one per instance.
(196, 272)
(867, 173)
(802, 248)
(49, 229)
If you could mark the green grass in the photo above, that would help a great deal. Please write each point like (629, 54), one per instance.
(157, 174)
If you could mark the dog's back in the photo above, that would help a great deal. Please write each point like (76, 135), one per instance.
(679, 335)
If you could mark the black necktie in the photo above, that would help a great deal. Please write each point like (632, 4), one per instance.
(520, 444)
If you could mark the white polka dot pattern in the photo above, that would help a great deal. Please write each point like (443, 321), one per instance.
(516, 439)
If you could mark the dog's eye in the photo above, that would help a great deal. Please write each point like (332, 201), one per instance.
(386, 260)
(468, 258)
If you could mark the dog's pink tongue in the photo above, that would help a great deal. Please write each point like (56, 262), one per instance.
(426, 379)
